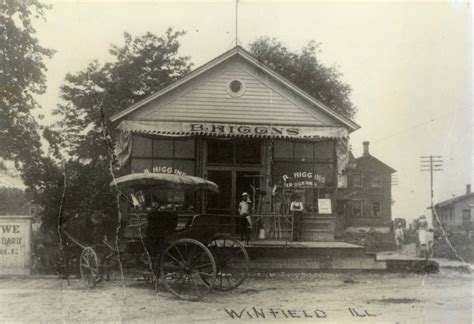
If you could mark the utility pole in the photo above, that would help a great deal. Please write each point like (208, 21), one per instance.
(236, 22)
(431, 164)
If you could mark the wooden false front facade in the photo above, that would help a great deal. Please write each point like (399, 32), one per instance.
(237, 123)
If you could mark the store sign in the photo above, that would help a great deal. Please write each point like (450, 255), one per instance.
(303, 178)
(165, 169)
(239, 129)
(15, 253)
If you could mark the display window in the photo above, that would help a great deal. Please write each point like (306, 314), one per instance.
(163, 155)
(303, 169)
(233, 151)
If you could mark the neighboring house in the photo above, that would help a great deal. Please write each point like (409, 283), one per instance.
(366, 201)
(457, 211)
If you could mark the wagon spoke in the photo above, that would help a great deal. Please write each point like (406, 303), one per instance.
(202, 266)
(173, 266)
(228, 280)
(174, 282)
(205, 274)
(196, 286)
(172, 257)
(234, 255)
(180, 254)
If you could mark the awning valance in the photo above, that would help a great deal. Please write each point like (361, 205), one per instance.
(169, 128)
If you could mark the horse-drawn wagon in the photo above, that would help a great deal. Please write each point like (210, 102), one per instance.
(190, 256)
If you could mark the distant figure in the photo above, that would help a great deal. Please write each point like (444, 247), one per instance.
(399, 236)
(296, 208)
(245, 221)
(422, 235)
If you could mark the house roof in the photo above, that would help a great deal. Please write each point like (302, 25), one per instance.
(453, 200)
(247, 57)
(370, 158)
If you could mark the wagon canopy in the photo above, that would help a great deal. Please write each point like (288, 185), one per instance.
(163, 180)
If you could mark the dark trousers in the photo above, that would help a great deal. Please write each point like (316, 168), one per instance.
(297, 215)
(245, 228)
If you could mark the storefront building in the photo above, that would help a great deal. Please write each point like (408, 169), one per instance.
(239, 124)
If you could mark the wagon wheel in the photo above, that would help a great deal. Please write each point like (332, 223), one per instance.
(183, 266)
(232, 262)
(89, 267)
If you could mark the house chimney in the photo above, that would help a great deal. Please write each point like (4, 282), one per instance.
(468, 189)
(366, 148)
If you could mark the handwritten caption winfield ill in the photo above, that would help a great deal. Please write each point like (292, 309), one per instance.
(279, 313)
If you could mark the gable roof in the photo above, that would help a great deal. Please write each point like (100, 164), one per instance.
(247, 57)
(371, 159)
(453, 200)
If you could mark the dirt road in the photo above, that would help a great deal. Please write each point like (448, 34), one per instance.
(304, 298)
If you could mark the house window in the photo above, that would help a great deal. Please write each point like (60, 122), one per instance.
(376, 181)
(466, 216)
(357, 208)
(451, 214)
(376, 209)
(357, 181)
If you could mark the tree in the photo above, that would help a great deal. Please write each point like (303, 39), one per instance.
(307, 72)
(22, 75)
(142, 66)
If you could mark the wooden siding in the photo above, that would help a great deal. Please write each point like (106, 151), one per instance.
(263, 101)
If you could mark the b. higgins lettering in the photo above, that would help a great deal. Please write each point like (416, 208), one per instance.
(221, 129)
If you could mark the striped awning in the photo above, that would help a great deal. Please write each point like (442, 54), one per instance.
(170, 128)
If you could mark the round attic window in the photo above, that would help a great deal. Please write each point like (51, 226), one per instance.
(235, 88)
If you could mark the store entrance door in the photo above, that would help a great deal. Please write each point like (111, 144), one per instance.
(232, 182)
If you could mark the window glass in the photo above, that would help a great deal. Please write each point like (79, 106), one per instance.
(466, 215)
(357, 181)
(283, 150)
(141, 146)
(304, 151)
(163, 166)
(139, 165)
(357, 208)
(220, 151)
(163, 148)
(184, 148)
(324, 150)
(291, 174)
(376, 181)
(185, 166)
(247, 151)
(323, 175)
(376, 209)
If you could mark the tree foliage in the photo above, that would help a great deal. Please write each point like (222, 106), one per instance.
(138, 68)
(142, 66)
(22, 75)
(307, 72)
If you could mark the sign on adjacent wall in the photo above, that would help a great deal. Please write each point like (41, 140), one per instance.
(15, 251)
(324, 206)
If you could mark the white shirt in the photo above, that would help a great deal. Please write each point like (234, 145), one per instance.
(244, 207)
(296, 206)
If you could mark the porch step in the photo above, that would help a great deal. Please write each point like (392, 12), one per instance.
(311, 256)
(317, 228)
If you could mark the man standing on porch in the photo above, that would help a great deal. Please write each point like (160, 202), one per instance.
(244, 212)
(296, 208)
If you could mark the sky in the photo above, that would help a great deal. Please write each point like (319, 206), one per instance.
(409, 65)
